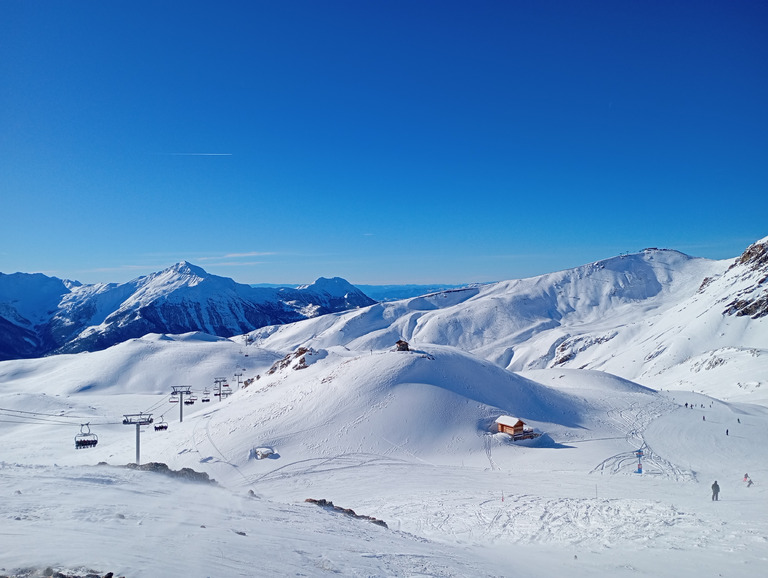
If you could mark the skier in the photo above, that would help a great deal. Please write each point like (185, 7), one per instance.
(746, 477)
(715, 491)
(726, 432)
(703, 418)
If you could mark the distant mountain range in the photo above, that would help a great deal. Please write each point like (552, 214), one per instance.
(634, 315)
(383, 293)
(42, 315)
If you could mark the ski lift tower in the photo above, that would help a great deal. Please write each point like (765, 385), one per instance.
(217, 386)
(238, 375)
(137, 419)
(179, 391)
(639, 455)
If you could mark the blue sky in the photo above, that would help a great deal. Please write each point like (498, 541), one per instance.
(380, 141)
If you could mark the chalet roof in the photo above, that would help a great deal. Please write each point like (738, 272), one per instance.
(508, 420)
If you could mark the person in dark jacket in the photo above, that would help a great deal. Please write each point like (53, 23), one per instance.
(715, 491)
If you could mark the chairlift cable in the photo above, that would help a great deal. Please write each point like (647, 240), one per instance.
(35, 420)
(45, 414)
(158, 404)
(32, 420)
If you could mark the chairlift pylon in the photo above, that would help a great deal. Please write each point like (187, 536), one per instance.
(85, 439)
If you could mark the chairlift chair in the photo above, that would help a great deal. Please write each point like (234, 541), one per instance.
(162, 426)
(85, 439)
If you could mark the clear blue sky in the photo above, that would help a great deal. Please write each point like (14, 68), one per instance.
(381, 141)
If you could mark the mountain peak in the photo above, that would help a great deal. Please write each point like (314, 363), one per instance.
(333, 286)
(751, 267)
(187, 268)
(756, 255)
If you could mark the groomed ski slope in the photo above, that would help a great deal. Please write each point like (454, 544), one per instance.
(405, 437)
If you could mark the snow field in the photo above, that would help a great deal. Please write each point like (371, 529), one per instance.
(405, 437)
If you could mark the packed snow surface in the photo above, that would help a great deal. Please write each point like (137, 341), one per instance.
(404, 437)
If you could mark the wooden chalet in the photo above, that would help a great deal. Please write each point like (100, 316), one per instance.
(402, 345)
(515, 427)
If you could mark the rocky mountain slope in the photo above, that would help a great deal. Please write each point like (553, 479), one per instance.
(40, 315)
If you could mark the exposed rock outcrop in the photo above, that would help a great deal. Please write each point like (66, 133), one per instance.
(751, 301)
(347, 511)
(187, 474)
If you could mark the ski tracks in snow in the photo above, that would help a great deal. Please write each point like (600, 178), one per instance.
(201, 437)
(324, 464)
(528, 519)
(487, 441)
(633, 421)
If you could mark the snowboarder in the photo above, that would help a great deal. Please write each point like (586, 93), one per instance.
(715, 491)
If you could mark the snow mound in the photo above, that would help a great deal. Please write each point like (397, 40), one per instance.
(435, 404)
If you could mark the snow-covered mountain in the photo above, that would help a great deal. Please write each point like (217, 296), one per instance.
(658, 317)
(618, 483)
(40, 315)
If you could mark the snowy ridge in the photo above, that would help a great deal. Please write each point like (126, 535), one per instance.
(647, 317)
